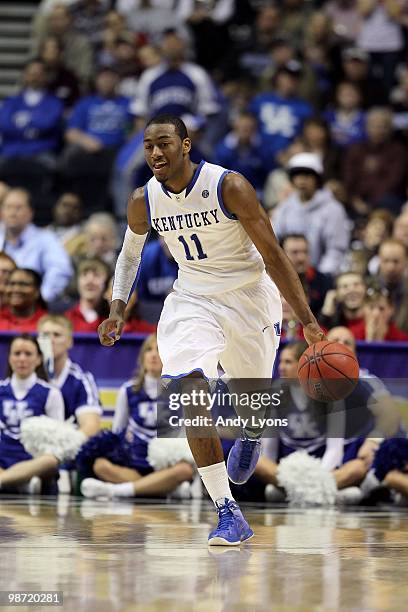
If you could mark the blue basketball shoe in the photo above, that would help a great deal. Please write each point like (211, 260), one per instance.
(242, 459)
(232, 528)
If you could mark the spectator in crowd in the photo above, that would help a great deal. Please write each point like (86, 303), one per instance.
(241, 151)
(393, 276)
(101, 238)
(316, 138)
(375, 171)
(362, 256)
(96, 129)
(7, 265)
(115, 30)
(399, 102)
(24, 303)
(60, 81)
(343, 306)
(313, 211)
(249, 57)
(208, 21)
(347, 119)
(78, 388)
(345, 18)
(88, 18)
(31, 246)
(321, 51)
(77, 54)
(151, 17)
(158, 271)
(127, 66)
(356, 69)
(92, 308)
(174, 86)
(125, 471)
(66, 225)
(400, 230)
(30, 122)
(278, 185)
(283, 50)
(134, 324)
(281, 113)
(295, 14)
(25, 381)
(377, 324)
(291, 328)
(382, 36)
(315, 283)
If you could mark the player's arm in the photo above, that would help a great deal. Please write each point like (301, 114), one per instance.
(241, 200)
(126, 268)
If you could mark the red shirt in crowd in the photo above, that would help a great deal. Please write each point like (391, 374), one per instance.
(11, 322)
(394, 334)
(80, 324)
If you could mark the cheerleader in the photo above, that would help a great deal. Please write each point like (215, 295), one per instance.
(23, 394)
(121, 459)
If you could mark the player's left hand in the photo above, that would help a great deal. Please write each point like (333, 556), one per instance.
(313, 333)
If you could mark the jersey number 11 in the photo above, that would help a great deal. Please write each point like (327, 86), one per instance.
(200, 253)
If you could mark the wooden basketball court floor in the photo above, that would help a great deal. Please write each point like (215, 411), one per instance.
(148, 556)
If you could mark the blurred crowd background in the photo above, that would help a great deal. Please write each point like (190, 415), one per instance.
(307, 99)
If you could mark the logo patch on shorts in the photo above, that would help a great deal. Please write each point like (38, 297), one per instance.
(205, 193)
(277, 328)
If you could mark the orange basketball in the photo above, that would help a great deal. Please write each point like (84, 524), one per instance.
(328, 371)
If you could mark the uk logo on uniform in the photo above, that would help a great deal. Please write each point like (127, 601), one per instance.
(205, 193)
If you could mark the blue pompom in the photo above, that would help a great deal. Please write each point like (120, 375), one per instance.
(392, 455)
(104, 444)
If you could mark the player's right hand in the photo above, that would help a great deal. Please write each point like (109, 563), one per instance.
(110, 330)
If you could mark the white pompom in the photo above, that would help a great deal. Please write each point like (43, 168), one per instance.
(43, 435)
(305, 481)
(164, 452)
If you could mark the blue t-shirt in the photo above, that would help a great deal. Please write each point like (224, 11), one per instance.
(280, 121)
(12, 414)
(345, 133)
(104, 118)
(30, 129)
(142, 424)
(157, 273)
(78, 390)
(249, 162)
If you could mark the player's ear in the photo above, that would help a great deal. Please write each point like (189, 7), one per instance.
(186, 146)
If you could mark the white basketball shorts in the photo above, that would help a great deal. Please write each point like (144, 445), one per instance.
(239, 329)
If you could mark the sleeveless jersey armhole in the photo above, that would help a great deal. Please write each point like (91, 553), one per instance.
(224, 209)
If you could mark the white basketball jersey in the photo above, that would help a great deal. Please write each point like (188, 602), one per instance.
(213, 251)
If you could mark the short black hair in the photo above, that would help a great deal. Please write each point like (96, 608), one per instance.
(294, 236)
(164, 119)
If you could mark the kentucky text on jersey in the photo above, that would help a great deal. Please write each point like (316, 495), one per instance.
(187, 221)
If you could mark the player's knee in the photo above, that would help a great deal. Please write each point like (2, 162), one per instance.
(101, 467)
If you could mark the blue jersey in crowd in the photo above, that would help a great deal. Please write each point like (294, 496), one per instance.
(248, 161)
(30, 124)
(186, 90)
(345, 133)
(157, 273)
(280, 121)
(78, 390)
(104, 118)
(141, 427)
(34, 397)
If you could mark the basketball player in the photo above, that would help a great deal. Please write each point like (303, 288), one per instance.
(224, 308)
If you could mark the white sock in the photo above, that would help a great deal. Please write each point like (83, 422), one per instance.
(215, 480)
(124, 489)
